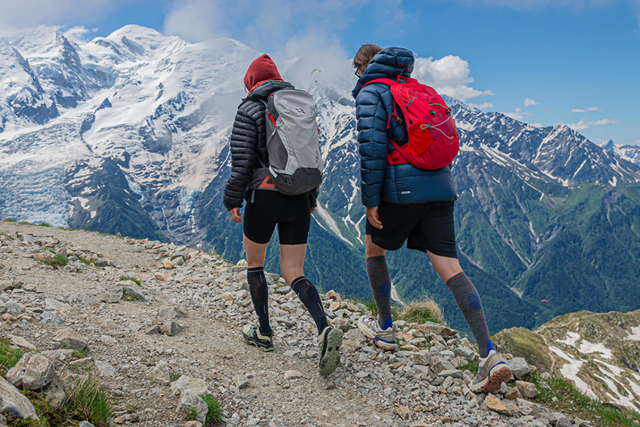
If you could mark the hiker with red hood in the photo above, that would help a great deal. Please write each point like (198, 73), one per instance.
(277, 169)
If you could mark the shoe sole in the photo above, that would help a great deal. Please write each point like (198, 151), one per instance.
(331, 359)
(260, 346)
(381, 344)
(495, 379)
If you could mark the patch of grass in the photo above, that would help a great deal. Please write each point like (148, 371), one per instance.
(8, 356)
(24, 223)
(85, 261)
(133, 279)
(175, 376)
(471, 365)
(80, 354)
(78, 270)
(132, 408)
(9, 220)
(57, 261)
(44, 224)
(421, 312)
(7, 236)
(213, 415)
(561, 395)
(190, 413)
(88, 400)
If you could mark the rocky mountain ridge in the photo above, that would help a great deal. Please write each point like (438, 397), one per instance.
(159, 325)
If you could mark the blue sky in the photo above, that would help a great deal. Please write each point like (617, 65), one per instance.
(574, 61)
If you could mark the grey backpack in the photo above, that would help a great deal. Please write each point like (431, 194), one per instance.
(295, 161)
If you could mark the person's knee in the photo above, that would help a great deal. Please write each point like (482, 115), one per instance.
(290, 273)
(373, 250)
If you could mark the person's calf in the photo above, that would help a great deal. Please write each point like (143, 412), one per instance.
(310, 297)
(259, 291)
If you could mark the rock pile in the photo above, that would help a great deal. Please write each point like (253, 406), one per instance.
(165, 340)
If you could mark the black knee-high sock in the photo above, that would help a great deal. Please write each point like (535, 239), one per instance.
(380, 282)
(470, 305)
(259, 291)
(309, 296)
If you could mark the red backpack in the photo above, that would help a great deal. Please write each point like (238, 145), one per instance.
(433, 135)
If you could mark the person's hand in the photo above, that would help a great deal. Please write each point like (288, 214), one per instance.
(372, 216)
(313, 209)
(235, 215)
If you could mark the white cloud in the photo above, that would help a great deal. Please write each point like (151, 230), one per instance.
(449, 75)
(482, 106)
(578, 110)
(593, 109)
(26, 13)
(195, 20)
(517, 114)
(582, 125)
(529, 102)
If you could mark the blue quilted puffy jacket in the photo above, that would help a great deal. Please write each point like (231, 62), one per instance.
(400, 184)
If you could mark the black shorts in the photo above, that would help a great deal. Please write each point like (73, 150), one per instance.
(291, 213)
(424, 226)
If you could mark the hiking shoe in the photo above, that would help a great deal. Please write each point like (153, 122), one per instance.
(383, 338)
(493, 371)
(329, 342)
(252, 335)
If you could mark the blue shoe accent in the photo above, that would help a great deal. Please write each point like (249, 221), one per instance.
(490, 347)
(385, 289)
(380, 339)
(387, 323)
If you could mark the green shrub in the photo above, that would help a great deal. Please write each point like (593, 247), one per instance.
(214, 410)
(8, 356)
(57, 261)
(44, 224)
(10, 220)
(422, 312)
(88, 400)
(24, 223)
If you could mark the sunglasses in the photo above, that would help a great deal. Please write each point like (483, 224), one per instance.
(358, 74)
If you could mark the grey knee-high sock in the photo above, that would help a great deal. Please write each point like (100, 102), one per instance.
(470, 305)
(380, 282)
(259, 291)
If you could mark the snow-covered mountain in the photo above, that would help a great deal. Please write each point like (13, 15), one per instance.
(128, 133)
(627, 152)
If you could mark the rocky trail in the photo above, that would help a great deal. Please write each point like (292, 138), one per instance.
(159, 344)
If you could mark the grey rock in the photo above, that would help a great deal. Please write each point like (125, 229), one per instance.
(442, 365)
(171, 313)
(13, 403)
(60, 354)
(49, 317)
(85, 424)
(198, 386)
(161, 372)
(54, 393)
(465, 352)
(190, 400)
(447, 383)
(519, 367)
(69, 339)
(131, 293)
(241, 381)
(51, 304)
(112, 295)
(105, 369)
(423, 357)
(454, 373)
(173, 329)
(178, 260)
(62, 252)
(563, 422)
(38, 372)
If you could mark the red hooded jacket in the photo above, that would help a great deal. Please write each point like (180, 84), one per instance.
(261, 70)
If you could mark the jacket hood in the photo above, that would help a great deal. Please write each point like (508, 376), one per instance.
(261, 69)
(389, 63)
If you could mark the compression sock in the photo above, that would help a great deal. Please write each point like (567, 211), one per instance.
(309, 296)
(380, 283)
(470, 305)
(260, 296)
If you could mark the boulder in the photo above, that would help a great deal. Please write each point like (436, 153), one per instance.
(527, 390)
(197, 385)
(38, 372)
(496, 405)
(54, 393)
(112, 295)
(13, 403)
(190, 400)
(105, 369)
(70, 339)
(161, 373)
(519, 367)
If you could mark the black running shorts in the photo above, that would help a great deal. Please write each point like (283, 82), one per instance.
(268, 208)
(424, 226)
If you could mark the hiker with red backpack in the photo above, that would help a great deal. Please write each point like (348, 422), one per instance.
(407, 140)
(276, 167)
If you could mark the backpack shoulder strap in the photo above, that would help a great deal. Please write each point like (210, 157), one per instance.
(383, 81)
